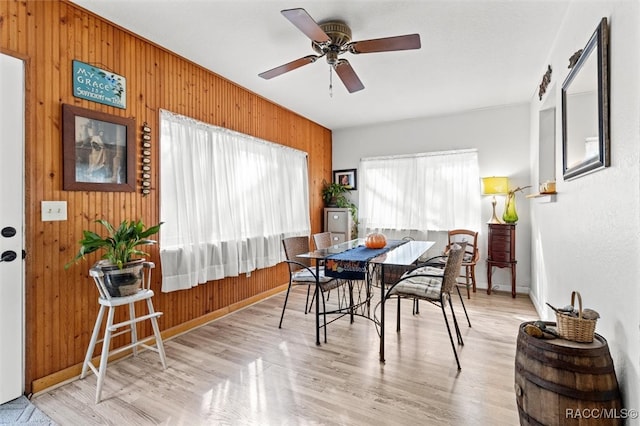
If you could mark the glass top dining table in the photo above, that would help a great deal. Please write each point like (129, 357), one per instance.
(404, 255)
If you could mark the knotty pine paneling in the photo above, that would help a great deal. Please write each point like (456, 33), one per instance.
(61, 304)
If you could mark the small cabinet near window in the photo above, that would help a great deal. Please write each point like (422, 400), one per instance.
(501, 252)
(338, 222)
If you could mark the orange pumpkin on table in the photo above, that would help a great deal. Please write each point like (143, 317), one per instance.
(375, 240)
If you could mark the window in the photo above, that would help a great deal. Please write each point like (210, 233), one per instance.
(226, 200)
(431, 191)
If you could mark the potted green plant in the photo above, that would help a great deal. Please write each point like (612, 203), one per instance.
(333, 193)
(122, 273)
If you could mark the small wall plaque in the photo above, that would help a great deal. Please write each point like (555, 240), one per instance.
(98, 85)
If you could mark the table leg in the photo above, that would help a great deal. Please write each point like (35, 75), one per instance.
(382, 314)
(371, 272)
(513, 280)
(316, 295)
(369, 287)
(350, 283)
(489, 270)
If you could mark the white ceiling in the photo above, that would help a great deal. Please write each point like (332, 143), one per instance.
(475, 53)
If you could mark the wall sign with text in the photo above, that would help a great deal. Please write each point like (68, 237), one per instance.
(98, 85)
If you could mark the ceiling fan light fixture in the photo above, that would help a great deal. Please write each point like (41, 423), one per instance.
(332, 57)
(333, 38)
(339, 34)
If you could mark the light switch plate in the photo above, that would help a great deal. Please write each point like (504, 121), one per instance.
(54, 210)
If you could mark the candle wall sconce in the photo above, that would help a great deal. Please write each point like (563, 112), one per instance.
(146, 160)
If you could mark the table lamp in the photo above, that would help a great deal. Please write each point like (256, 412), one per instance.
(495, 186)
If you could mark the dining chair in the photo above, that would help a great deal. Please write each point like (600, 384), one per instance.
(302, 272)
(469, 261)
(322, 240)
(434, 285)
(471, 256)
(392, 273)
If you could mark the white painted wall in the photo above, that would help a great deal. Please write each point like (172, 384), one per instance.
(589, 239)
(501, 136)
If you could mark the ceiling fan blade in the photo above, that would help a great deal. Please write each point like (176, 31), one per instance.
(405, 42)
(348, 76)
(305, 23)
(288, 67)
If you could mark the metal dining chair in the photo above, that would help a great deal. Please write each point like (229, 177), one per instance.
(322, 240)
(302, 272)
(393, 273)
(434, 285)
(469, 261)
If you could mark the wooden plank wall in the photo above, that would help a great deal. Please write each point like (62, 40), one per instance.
(61, 304)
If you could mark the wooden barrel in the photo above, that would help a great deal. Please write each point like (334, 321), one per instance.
(559, 382)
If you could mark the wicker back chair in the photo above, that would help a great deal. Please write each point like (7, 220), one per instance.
(469, 261)
(302, 272)
(392, 273)
(294, 246)
(434, 285)
(322, 240)
(471, 256)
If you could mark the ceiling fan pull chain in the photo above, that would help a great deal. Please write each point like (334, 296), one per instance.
(330, 81)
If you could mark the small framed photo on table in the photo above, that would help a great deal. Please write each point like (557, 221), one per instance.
(99, 151)
(347, 178)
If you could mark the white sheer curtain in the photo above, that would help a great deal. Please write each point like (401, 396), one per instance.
(430, 191)
(227, 200)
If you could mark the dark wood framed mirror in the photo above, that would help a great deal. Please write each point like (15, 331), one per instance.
(585, 108)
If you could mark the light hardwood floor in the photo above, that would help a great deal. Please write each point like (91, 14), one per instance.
(242, 370)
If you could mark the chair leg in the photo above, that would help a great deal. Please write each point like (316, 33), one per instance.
(467, 281)
(455, 322)
(156, 332)
(446, 321)
(104, 358)
(473, 277)
(307, 306)
(286, 297)
(398, 316)
(312, 299)
(416, 306)
(92, 343)
(324, 314)
(134, 329)
(463, 306)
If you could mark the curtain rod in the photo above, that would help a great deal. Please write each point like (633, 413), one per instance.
(421, 154)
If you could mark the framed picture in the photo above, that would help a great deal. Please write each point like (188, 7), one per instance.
(347, 178)
(99, 151)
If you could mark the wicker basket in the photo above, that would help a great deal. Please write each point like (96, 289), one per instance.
(576, 329)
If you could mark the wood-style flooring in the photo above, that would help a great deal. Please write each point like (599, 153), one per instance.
(242, 370)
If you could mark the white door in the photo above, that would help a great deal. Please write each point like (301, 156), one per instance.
(11, 228)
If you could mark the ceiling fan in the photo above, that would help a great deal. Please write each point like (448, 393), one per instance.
(333, 38)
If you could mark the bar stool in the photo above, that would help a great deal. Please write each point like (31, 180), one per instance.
(107, 301)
